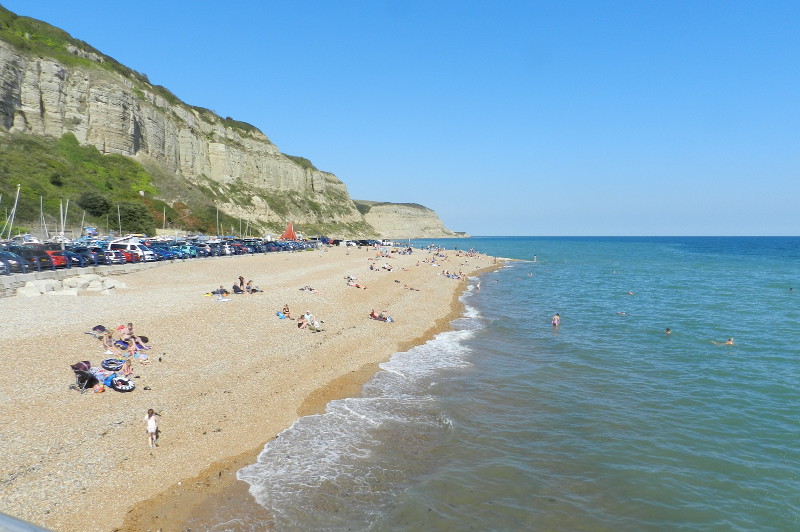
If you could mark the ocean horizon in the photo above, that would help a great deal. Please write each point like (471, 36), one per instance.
(605, 422)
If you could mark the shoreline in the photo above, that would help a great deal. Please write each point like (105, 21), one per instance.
(194, 501)
(225, 377)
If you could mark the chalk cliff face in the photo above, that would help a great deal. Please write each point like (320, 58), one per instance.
(404, 220)
(120, 115)
(119, 111)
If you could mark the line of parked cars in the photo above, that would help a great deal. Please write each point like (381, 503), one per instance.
(37, 257)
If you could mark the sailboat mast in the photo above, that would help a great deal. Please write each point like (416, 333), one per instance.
(13, 213)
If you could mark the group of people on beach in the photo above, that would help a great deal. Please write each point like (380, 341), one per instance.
(239, 287)
(129, 344)
(245, 288)
(308, 321)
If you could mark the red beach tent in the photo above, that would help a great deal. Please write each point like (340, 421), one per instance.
(289, 233)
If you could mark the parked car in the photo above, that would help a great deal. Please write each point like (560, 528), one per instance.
(156, 256)
(71, 259)
(138, 251)
(203, 250)
(237, 248)
(11, 262)
(164, 253)
(36, 257)
(91, 255)
(179, 253)
(189, 250)
(130, 256)
(58, 258)
(115, 257)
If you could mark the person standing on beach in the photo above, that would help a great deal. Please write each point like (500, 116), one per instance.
(151, 424)
(556, 320)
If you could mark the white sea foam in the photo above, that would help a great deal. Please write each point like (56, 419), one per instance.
(322, 472)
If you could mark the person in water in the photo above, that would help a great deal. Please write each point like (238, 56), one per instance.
(556, 320)
(729, 341)
(668, 331)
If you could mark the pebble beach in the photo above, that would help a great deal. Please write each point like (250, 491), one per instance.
(225, 377)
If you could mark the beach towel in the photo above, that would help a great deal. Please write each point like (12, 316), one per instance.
(281, 315)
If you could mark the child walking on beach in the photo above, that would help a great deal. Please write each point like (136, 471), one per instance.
(151, 422)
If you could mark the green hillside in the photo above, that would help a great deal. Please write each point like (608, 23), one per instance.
(52, 171)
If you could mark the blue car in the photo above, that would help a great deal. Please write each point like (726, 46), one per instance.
(163, 253)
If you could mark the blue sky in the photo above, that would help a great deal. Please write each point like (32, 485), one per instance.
(506, 117)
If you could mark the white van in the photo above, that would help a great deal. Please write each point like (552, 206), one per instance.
(136, 250)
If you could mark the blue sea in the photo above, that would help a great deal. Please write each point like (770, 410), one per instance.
(602, 423)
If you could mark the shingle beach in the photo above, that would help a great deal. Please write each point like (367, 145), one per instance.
(225, 377)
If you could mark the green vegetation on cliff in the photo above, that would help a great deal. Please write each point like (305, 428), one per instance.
(57, 170)
(107, 186)
(33, 37)
(364, 206)
(36, 37)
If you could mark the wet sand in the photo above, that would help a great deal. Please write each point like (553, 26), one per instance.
(231, 376)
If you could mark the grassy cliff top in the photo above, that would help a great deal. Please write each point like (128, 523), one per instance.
(35, 38)
(364, 206)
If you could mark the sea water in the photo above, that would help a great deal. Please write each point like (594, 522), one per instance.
(602, 423)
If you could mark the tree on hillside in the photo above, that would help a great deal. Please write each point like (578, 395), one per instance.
(94, 203)
(136, 218)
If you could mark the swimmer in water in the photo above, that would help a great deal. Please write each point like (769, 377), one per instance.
(668, 331)
(729, 341)
(556, 320)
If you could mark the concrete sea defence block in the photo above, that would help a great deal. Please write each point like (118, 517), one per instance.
(66, 292)
(95, 286)
(28, 291)
(113, 283)
(44, 285)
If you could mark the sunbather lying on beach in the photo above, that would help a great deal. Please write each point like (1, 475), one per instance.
(382, 316)
(220, 292)
(307, 288)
